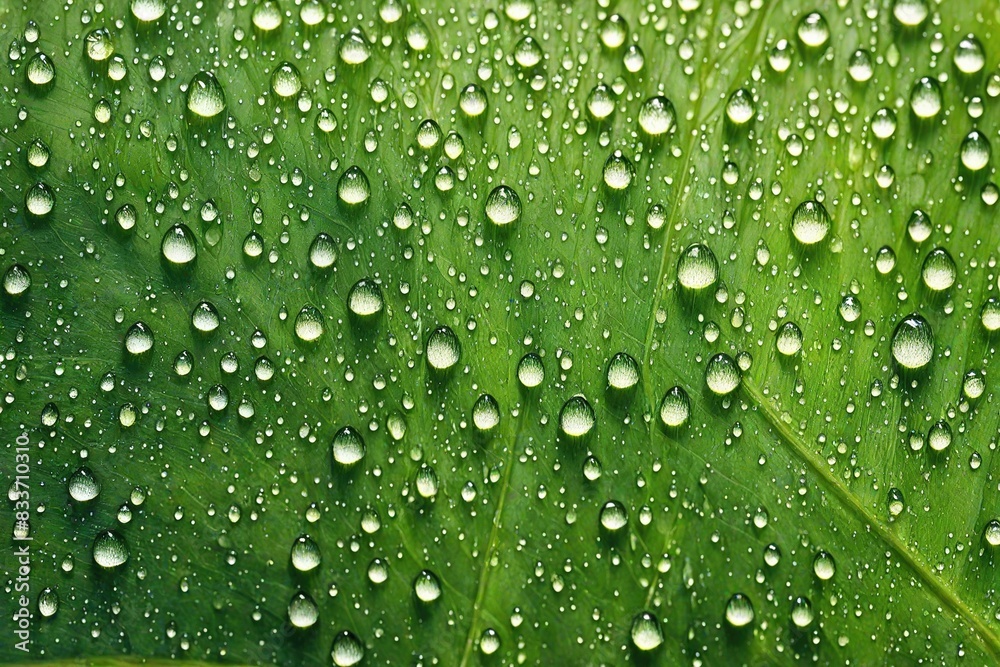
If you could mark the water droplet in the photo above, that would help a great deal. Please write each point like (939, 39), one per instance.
(16, 280)
(990, 314)
(600, 101)
(309, 324)
(939, 436)
(789, 339)
(780, 57)
(647, 634)
(675, 408)
(919, 226)
(149, 10)
(489, 641)
(40, 70)
(531, 371)
(592, 469)
(810, 222)
(577, 418)
(178, 245)
(850, 308)
(443, 349)
(973, 384)
(365, 299)
(824, 566)
(802, 612)
(860, 67)
(969, 55)
(722, 374)
(205, 96)
(975, 152)
(83, 486)
(740, 108)
(267, 15)
(38, 154)
(139, 339)
(347, 649)
(613, 31)
(427, 586)
(895, 502)
(486, 413)
(992, 533)
(503, 206)
(348, 446)
(657, 116)
(618, 171)
(353, 188)
(884, 123)
(910, 13)
(48, 602)
(323, 251)
(813, 30)
(925, 98)
(913, 342)
(110, 549)
(305, 554)
(623, 372)
(939, 270)
(613, 516)
(98, 44)
(772, 555)
(285, 80)
(205, 318)
(39, 200)
(302, 610)
(527, 52)
(354, 48)
(697, 268)
(472, 100)
(739, 611)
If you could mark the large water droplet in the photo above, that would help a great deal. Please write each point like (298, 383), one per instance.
(503, 206)
(486, 413)
(347, 649)
(205, 96)
(348, 446)
(810, 222)
(722, 375)
(913, 342)
(139, 339)
(178, 245)
(110, 549)
(427, 586)
(623, 372)
(16, 280)
(302, 610)
(309, 324)
(577, 418)
(739, 611)
(149, 10)
(647, 634)
(83, 486)
(443, 349)
(697, 268)
(353, 188)
(531, 371)
(286, 81)
(657, 116)
(824, 567)
(305, 554)
(365, 299)
(675, 408)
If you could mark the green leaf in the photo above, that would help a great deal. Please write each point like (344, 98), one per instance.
(556, 333)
